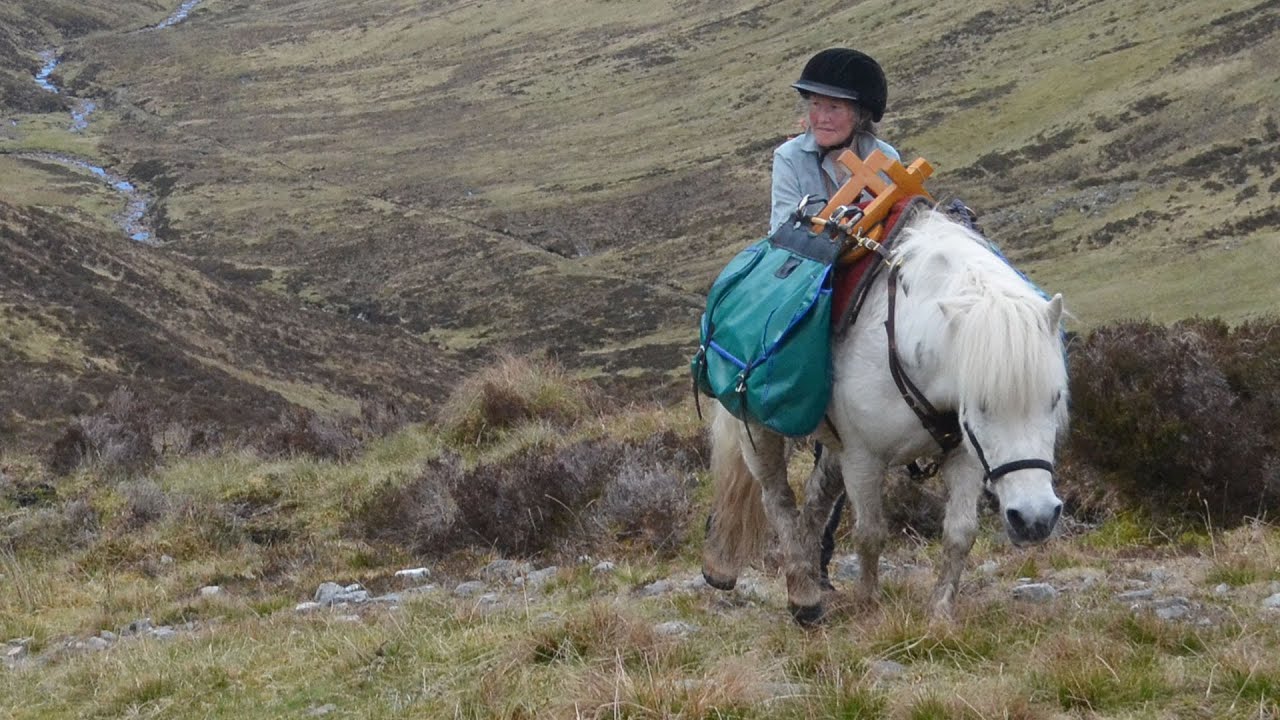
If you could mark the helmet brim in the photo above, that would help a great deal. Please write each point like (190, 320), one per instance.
(808, 86)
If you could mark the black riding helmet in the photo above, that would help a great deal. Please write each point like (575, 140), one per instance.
(848, 74)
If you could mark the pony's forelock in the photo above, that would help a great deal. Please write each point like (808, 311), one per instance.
(1006, 355)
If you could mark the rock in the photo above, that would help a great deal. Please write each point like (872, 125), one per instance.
(695, 584)
(846, 568)
(675, 628)
(15, 652)
(330, 594)
(166, 560)
(1035, 592)
(108, 636)
(752, 589)
(96, 644)
(389, 599)
(489, 599)
(1272, 602)
(503, 570)
(1136, 595)
(327, 592)
(1173, 609)
(885, 669)
(306, 607)
(138, 626)
(347, 618)
(538, 578)
(322, 710)
(603, 567)
(164, 632)
(653, 589)
(467, 589)
(210, 590)
(414, 574)
(989, 568)
(1159, 575)
(1221, 589)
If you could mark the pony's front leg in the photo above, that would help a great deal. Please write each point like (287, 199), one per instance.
(864, 481)
(795, 538)
(963, 478)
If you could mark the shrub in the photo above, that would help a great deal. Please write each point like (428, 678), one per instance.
(514, 390)
(117, 436)
(541, 499)
(1182, 420)
(300, 431)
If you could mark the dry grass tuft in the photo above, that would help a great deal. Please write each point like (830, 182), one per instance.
(512, 391)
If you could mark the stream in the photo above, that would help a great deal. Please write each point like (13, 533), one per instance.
(137, 203)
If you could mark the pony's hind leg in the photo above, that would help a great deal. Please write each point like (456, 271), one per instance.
(796, 539)
(737, 523)
(864, 481)
(959, 529)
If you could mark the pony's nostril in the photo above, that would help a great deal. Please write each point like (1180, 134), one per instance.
(1016, 522)
(1057, 513)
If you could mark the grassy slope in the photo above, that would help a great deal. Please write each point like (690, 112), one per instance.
(572, 175)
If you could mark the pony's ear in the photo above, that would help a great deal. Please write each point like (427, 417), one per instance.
(1053, 313)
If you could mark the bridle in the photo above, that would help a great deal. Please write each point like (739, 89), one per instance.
(943, 427)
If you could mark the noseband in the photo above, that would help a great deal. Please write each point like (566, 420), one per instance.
(944, 427)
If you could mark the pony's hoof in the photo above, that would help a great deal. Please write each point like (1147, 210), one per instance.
(807, 615)
(719, 583)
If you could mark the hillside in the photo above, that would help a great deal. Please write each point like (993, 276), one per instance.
(570, 176)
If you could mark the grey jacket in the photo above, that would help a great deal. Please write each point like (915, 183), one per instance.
(796, 172)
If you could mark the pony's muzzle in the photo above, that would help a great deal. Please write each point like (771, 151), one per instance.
(1031, 528)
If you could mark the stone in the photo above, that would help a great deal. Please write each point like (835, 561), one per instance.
(885, 669)
(695, 584)
(307, 607)
(675, 628)
(414, 574)
(108, 636)
(489, 599)
(1159, 575)
(603, 567)
(138, 626)
(346, 618)
(166, 560)
(1136, 595)
(210, 590)
(1221, 589)
(504, 570)
(163, 632)
(322, 710)
(96, 644)
(1173, 612)
(989, 568)
(653, 589)
(1035, 592)
(327, 592)
(538, 578)
(15, 652)
(469, 588)
(1272, 601)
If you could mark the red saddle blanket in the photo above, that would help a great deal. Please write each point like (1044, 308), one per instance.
(847, 277)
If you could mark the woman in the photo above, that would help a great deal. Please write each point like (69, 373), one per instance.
(845, 92)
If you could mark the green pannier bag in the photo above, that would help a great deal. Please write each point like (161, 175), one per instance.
(764, 349)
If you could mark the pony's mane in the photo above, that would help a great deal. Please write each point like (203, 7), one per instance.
(998, 341)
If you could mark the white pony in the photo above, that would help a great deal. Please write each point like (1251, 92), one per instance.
(969, 336)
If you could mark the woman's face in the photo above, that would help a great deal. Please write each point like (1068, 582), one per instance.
(831, 119)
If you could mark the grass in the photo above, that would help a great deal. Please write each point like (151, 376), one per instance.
(587, 644)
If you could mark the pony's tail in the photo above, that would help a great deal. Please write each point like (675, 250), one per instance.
(736, 528)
